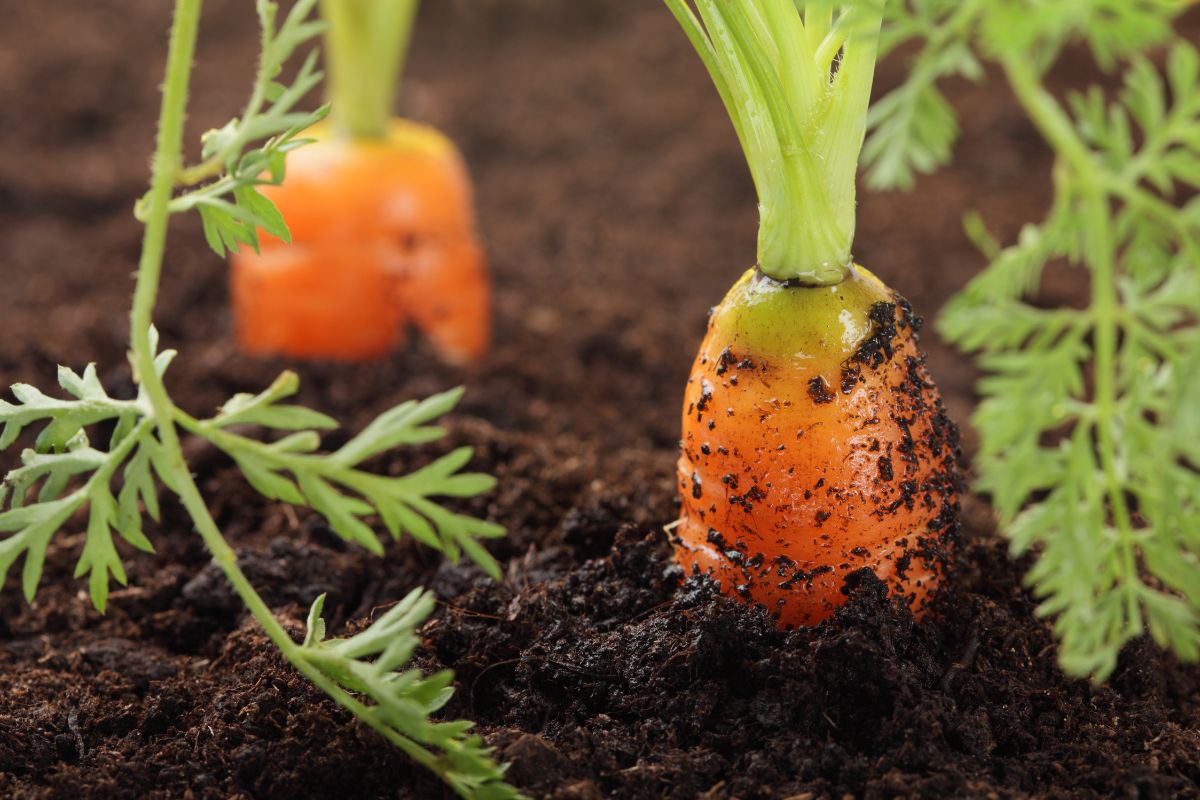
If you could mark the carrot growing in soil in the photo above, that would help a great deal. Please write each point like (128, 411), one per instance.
(381, 218)
(814, 442)
(1090, 417)
(64, 475)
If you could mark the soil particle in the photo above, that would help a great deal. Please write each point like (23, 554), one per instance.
(886, 471)
(877, 348)
(819, 391)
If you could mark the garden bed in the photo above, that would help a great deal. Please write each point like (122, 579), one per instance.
(617, 209)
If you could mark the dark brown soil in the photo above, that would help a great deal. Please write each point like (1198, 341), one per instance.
(617, 210)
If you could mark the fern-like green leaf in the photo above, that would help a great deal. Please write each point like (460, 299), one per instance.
(371, 664)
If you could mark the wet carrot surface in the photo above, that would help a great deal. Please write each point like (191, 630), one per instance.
(383, 238)
(814, 444)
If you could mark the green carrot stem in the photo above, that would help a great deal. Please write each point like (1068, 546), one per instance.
(365, 49)
(225, 558)
(800, 120)
(167, 158)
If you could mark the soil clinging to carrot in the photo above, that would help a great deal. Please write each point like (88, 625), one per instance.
(617, 209)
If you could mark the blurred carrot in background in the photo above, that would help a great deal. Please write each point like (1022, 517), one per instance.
(381, 216)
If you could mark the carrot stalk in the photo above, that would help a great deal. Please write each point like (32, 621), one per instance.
(366, 45)
(801, 129)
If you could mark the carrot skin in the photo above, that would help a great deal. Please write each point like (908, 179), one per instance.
(814, 444)
(321, 301)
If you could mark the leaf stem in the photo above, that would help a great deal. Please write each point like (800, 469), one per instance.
(116, 457)
(166, 167)
(1100, 252)
(199, 173)
(166, 163)
(1106, 306)
(226, 559)
(365, 49)
(800, 122)
(1052, 122)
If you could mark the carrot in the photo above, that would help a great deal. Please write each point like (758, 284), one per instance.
(814, 442)
(814, 445)
(381, 219)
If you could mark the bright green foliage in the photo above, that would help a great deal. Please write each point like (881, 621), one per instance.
(251, 150)
(1089, 417)
(63, 458)
(796, 80)
(63, 475)
(1039, 29)
(69, 475)
(913, 129)
(405, 699)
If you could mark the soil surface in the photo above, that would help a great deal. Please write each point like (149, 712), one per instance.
(617, 210)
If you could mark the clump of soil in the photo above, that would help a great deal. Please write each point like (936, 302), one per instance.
(617, 209)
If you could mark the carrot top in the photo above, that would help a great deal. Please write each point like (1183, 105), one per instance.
(795, 76)
(365, 48)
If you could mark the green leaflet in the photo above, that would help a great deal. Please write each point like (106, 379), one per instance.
(68, 475)
(403, 425)
(34, 525)
(264, 409)
(63, 418)
(371, 664)
(913, 129)
(251, 150)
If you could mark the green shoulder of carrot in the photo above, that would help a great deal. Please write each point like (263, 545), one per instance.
(107, 458)
(1089, 415)
(382, 234)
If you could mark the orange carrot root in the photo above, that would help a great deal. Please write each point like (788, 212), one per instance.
(814, 444)
(383, 237)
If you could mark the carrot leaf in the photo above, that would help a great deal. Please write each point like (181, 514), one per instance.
(372, 664)
(1087, 420)
(62, 475)
(251, 149)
